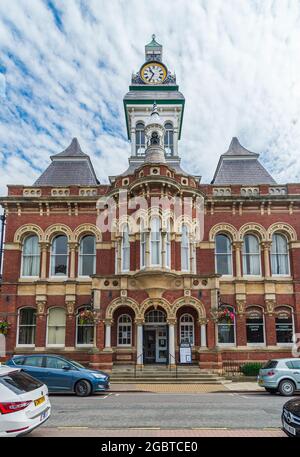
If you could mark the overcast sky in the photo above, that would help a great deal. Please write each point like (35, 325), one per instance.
(66, 65)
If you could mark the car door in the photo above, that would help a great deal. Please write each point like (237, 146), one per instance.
(296, 372)
(59, 374)
(34, 365)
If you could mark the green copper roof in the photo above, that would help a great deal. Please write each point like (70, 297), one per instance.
(153, 43)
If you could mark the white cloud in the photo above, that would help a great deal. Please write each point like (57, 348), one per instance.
(237, 63)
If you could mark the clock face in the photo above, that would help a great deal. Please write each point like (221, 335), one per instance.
(153, 73)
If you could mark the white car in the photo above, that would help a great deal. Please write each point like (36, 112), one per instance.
(24, 402)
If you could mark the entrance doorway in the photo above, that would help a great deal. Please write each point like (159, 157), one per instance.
(155, 337)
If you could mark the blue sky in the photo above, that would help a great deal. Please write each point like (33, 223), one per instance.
(66, 65)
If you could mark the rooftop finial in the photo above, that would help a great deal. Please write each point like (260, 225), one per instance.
(153, 36)
(154, 108)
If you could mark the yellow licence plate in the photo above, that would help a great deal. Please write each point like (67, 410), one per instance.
(39, 401)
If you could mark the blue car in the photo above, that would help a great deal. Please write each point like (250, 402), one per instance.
(61, 374)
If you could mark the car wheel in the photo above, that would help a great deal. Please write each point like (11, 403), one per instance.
(271, 391)
(287, 388)
(83, 388)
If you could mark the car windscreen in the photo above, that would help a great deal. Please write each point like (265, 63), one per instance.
(270, 364)
(19, 382)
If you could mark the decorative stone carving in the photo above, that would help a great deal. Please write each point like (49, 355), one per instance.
(88, 192)
(250, 191)
(32, 192)
(270, 305)
(203, 321)
(283, 228)
(254, 228)
(70, 308)
(225, 228)
(60, 192)
(41, 306)
(278, 190)
(241, 307)
(27, 229)
(222, 191)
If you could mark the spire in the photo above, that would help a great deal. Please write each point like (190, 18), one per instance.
(153, 50)
(73, 150)
(236, 149)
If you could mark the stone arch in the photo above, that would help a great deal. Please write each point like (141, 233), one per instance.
(28, 229)
(252, 228)
(189, 301)
(284, 229)
(155, 302)
(227, 229)
(56, 229)
(117, 303)
(187, 220)
(87, 229)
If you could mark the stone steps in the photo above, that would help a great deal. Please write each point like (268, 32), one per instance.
(163, 375)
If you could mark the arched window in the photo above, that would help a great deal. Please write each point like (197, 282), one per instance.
(125, 249)
(187, 329)
(84, 328)
(185, 249)
(255, 326)
(26, 327)
(284, 326)
(155, 316)
(280, 263)
(87, 256)
(169, 139)
(140, 139)
(223, 255)
(226, 326)
(143, 245)
(56, 330)
(168, 245)
(59, 256)
(155, 242)
(251, 256)
(31, 256)
(124, 330)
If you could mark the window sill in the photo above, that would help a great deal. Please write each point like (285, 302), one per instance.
(55, 346)
(284, 345)
(226, 345)
(25, 346)
(84, 345)
(255, 345)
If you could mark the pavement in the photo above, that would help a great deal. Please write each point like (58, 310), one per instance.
(187, 388)
(220, 413)
(150, 433)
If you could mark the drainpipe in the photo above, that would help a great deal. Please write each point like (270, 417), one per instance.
(2, 221)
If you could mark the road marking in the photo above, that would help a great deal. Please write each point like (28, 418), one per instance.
(72, 427)
(209, 428)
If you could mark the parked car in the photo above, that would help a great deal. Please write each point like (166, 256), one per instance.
(291, 418)
(24, 402)
(280, 375)
(61, 374)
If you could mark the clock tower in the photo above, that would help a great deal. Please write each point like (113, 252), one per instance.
(153, 84)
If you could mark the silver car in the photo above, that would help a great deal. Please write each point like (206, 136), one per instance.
(280, 375)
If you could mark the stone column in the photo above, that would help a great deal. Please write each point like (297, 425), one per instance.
(133, 142)
(72, 249)
(203, 341)
(266, 248)
(148, 260)
(139, 342)
(172, 355)
(108, 335)
(44, 250)
(163, 249)
(238, 269)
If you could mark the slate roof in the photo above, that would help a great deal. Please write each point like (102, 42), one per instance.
(153, 95)
(69, 167)
(240, 166)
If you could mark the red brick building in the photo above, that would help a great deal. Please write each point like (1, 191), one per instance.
(221, 273)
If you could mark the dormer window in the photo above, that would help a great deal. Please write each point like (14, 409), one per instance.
(169, 139)
(140, 139)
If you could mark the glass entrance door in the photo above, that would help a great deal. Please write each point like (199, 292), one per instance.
(149, 345)
(161, 345)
